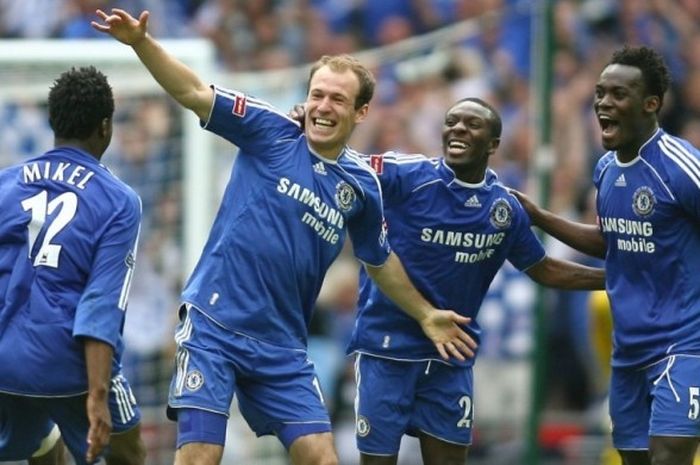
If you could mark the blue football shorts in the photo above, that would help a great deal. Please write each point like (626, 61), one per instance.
(406, 397)
(277, 388)
(26, 421)
(662, 399)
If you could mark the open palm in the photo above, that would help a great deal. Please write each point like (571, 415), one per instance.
(122, 26)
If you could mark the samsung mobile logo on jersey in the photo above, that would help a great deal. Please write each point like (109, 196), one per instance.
(638, 231)
(461, 239)
(628, 227)
(483, 243)
(325, 219)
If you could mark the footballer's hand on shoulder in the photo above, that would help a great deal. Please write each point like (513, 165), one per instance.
(298, 113)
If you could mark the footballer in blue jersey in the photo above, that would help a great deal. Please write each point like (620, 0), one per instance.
(292, 196)
(68, 235)
(454, 225)
(648, 231)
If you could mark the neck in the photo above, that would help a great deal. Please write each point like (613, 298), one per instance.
(629, 153)
(469, 175)
(331, 154)
(83, 145)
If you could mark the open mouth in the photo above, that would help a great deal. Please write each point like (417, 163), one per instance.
(457, 146)
(608, 125)
(323, 123)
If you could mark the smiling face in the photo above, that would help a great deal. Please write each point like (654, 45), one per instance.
(330, 110)
(627, 116)
(468, 140)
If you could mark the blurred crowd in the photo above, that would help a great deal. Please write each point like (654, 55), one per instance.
(406, 115)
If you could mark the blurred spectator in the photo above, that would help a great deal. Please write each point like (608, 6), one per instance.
(24, 132)
(31, 19)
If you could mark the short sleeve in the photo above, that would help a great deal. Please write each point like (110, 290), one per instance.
(367, 229)
(249, 123)
(398, 174)
(100, 312)
(526, 249)
(682, 161)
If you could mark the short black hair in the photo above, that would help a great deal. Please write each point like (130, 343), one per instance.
(78, 102)
(496, 123)
(655, 73)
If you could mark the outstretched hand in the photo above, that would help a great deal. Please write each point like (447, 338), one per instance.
(122, 26)
(442, 327)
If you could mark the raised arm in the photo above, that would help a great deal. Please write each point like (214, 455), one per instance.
(585, 238)
(173, 76)
(563, 274)
(441, 326)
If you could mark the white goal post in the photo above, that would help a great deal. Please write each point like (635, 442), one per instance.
(28, 67)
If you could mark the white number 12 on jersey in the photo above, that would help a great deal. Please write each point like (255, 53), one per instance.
(40, 207)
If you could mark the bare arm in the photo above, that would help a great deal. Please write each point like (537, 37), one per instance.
(585, 238)
(174, 77)
(563, 274)
(98, 361)
(441, 326)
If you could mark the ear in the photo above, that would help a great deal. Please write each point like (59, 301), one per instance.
(493, 145)
(652, 104)
(361, 113)
(105, 128)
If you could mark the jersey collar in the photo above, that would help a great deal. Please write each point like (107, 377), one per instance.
(321, 157)
(642, 149)
(76, 153)
(449, 176)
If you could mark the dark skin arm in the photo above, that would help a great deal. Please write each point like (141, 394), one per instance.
(563, 274)
(98, 360)
(585, 238)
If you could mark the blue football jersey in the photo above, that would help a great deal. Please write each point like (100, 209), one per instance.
(281, 223)
(68, 233)
(452, 238)
(649, 214)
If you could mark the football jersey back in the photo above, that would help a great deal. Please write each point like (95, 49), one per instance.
(68, 230)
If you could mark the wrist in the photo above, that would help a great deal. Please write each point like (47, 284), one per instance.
(98, 392)
(140, 40)
(423, 313)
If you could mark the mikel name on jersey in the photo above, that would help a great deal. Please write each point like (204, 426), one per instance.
(66, 172)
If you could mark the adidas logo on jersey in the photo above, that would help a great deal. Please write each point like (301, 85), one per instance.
(320, 168)
(620, 182)
(473, 202)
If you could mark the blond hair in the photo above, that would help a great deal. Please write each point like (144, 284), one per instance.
(344, 62)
